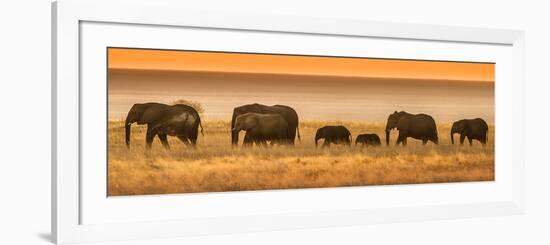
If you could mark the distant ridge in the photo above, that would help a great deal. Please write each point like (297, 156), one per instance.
(253, 75)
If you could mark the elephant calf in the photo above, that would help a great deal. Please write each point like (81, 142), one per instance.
(472, 129)
(333, 134)
(368, 140)
(261, 128)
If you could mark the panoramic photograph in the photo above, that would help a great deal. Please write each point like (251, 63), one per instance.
(201, 121)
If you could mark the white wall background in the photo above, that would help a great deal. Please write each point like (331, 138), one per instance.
(25, 120)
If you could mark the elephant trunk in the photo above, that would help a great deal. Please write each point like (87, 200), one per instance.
(127, 127)
(234, 133)
(452, 137)
(387, 137)
(317, 137)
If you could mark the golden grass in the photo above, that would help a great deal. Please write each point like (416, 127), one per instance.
(215, 166)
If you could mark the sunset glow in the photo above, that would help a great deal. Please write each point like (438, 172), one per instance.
(120, 58)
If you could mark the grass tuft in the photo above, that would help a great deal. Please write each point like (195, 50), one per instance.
(215, 166)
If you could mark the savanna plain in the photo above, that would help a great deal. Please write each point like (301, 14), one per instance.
(215, 166)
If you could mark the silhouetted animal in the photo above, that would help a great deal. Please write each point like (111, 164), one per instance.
(368, 140)
(333, 134)
(287, 112)
(261, 128)
(416, 126)
(472, 129)
(181, 121)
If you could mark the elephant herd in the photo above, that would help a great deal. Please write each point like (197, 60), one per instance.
(279, 124)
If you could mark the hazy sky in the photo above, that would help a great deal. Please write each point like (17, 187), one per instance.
(304, 65)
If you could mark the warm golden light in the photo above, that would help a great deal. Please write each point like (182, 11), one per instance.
(305, 65)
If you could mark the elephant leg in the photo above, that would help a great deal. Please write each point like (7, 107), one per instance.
(164, 141)
(184, 139)
(462, 137)
(326, 143)
(289, 140)
(424, 141)
(247, 141)
(291, 135)
(193, 137)
(401, 140)
(149, 137)
(257, 141)
(483, 140)
(470, 140)
(193, 141)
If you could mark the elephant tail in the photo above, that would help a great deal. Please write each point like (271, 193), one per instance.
(298, 131)
(200, 124)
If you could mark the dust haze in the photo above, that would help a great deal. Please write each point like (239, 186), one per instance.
(313, 97)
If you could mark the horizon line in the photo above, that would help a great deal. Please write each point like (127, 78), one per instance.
(294, 74)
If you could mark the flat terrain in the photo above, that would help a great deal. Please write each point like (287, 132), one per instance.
(215, 166)
(313, 97)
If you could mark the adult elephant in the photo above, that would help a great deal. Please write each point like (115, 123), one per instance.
(416, 126)
(334, 135)
(287, 112)
(261, 128)
(162, 120)
(472, 129)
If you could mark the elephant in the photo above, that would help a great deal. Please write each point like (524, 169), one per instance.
(261, 128)
(368, 140)
(473, 129)
(287, 112)
(162, 120)
(416, 126)
(333, 134)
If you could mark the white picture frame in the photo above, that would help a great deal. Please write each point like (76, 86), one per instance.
(68, 197)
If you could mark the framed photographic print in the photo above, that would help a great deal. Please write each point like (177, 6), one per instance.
(171, 122)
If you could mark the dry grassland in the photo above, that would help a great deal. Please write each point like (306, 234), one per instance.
(215, 166)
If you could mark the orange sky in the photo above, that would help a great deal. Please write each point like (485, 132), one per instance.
(307, 65)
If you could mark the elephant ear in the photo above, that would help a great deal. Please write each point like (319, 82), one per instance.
(402, 123)
(150, 114)
(458, 127)
(465, 126)
(135, 113)
(250, 122)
